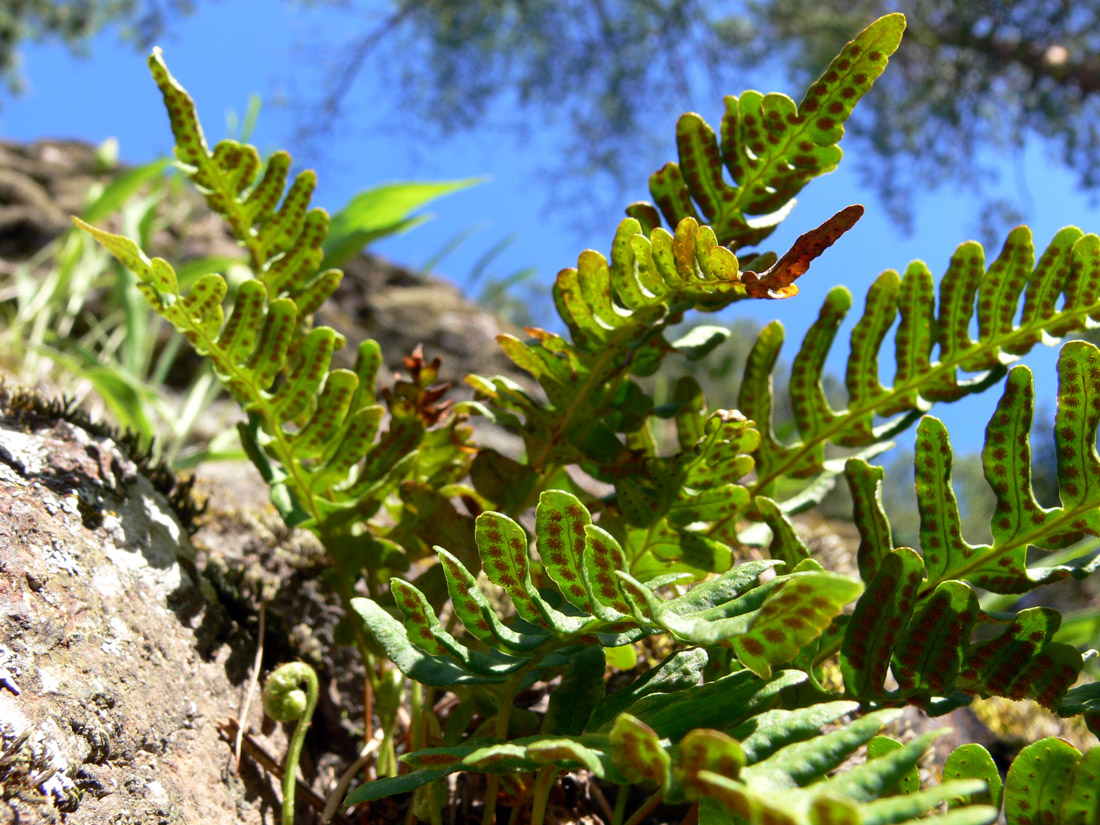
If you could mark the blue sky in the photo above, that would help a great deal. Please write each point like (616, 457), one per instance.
(221, 57)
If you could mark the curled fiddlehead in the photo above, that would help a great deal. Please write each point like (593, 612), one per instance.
(290, 693)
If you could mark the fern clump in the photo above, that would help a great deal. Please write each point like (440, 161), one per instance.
(767, 683)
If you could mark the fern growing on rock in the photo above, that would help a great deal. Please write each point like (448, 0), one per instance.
(768, 683)
(314, 432)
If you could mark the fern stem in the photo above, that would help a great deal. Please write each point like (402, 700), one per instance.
(620, 804)
(284, 700)
(504, 716)
(492, 790)
(547, 777)
(586, 388)
(416, 730)
(647, 808)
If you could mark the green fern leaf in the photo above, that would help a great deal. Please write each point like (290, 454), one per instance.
(871, 635)
(390, 786)
(1065, 269)
(695, 487)
(972, 761)
(924, 627)
(1037, 783)
(721, 704)
(770, 147)
(677, 671)
(765, 624)
(426, 668)
(1022, 662)
(916, 336)
(616, 313)
(785, 545)
(802, 762)
(914, 807)
(882, 745)
(311, 429)
(1018, 521)
(602, 558)
(567, 754)
(638, 753)
(1081, 802)
(875, 541)
(946, 553)
(1083, 700)
(791, 617)
(790, 785)
(503, 545)
(421, 625)
(861, 377)
(284, 244)
(766, 733)
(887, 768)
(562, 520)
(476, 613)
(707, 750)
(755, 398)
(930, 652)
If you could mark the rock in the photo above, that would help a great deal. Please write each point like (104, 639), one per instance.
(116, 661)
(41, 184)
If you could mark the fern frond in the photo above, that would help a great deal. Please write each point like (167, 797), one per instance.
(1069, 269)
(283, 240)
(765, 625)
(920, 609)
(303, 409)
(769, 147)
(313, 431)
(616, 313)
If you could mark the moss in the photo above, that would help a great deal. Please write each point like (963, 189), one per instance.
(30, 783)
